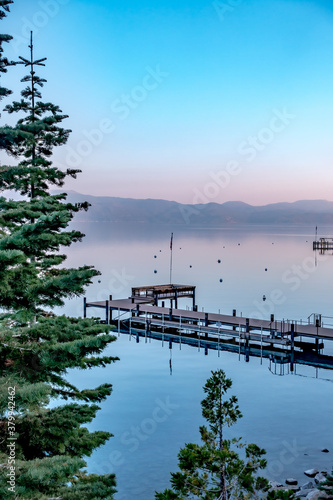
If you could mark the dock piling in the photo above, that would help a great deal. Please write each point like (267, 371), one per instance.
(292, 339)
(107, 312)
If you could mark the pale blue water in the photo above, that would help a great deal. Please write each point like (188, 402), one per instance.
(152, 412)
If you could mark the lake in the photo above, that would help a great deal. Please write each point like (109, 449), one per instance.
(155, 405)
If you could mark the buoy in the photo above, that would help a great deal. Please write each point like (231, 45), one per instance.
(265, 268)
(155, 271)
(221, 280)
(219, 261)
(155, 256)
(190, 266)
(99, 281)
(264, 298)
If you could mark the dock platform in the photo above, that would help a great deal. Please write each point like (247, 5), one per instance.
(281, 341)
(323, 244)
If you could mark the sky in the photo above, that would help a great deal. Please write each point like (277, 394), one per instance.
(191, 100)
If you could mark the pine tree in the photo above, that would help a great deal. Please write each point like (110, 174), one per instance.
(327, 486)
(281, 495)
(214, 470)
(47, 444)
(4, 62)
(8, 135)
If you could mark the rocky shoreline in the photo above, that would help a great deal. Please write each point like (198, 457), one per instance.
(308, 490)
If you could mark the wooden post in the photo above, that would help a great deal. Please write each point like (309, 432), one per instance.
(272, 327)
(292, 335)
(247, 338)
(107, 312)
(118, 321)
(84, 307)
(239, 341)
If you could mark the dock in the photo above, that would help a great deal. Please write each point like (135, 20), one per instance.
(323, 244)
(141, 314)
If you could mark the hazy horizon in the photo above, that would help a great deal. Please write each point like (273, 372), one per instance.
(73, 191)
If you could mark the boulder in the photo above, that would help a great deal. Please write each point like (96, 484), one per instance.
(316, 494)
(275, 484)
(320, 477)
(311, 472)
(291, 481)
(303, 493)
(325, 450)
(310, 485)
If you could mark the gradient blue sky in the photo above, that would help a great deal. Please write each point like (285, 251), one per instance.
(188, 100)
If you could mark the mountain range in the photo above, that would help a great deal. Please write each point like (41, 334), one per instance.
(152, 211)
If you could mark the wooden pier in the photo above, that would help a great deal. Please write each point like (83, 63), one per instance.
(323, 244)
(141, 314)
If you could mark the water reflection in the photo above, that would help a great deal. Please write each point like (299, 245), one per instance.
(290, 412)
(280, 362)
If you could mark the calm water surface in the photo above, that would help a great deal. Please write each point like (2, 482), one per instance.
(155, 405)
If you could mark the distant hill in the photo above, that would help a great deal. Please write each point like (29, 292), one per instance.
(112, 209)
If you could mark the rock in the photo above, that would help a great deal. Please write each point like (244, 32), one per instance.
(316, 494)
(308, 486)
(291, 481)
(311, 472)
(320, 477)
(275, 484)
(303, 493)
(325, 450)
